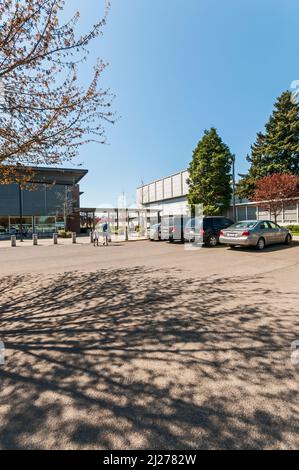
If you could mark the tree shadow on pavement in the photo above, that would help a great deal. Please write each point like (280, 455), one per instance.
(138, 358)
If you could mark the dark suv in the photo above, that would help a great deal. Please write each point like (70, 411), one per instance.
(206, 230)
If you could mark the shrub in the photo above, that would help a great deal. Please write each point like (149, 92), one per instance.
(293, 228)
(64, 234)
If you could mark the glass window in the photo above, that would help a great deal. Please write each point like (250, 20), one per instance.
(4, 226)
(241, 213)
(246, 224)
(251, 212)
(207, 223)
(45, 224)
(15, 225)
(272, 225)
(221, 222)
(227, 222)
(217, 222)
(59, 223)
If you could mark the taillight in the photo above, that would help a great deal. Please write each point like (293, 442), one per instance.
(201, 232)
(245, 234)
(221, 233)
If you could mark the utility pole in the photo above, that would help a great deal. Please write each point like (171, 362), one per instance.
(142, 184)
(233, 161)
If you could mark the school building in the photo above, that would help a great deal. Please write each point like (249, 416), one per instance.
(49, 201)
(170, 194)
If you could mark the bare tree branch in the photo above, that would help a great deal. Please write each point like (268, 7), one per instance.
(45, 114)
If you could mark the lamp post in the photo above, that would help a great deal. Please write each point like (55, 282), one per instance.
(21, 212)
(233, 161)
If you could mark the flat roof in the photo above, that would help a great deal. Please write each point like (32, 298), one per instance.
(50, 175)
(163, 178)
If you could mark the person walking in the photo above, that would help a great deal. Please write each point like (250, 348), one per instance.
(105, 234)
(95, 236)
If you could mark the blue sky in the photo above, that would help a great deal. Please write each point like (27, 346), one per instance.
(176, 68)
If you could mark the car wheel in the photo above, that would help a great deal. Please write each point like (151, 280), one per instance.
(288, 239)
(261, 243)
(212, 241)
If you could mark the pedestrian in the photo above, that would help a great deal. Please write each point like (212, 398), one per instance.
(95, 237)
(105, 234)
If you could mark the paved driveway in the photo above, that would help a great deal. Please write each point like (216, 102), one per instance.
(146, 345)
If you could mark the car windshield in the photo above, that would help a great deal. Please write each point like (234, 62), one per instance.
(244, 224)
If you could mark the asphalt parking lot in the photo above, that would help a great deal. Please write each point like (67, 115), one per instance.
(49, 258)
(148, 345)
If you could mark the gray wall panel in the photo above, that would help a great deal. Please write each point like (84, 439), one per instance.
(43, 200)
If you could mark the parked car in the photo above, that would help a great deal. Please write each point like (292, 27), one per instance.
(206, 230)
(257, 233)
(155, 232)
(172, 228)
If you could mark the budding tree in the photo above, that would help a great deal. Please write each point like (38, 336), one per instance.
(45, 113)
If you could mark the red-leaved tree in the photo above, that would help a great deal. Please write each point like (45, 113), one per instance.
(275, 192)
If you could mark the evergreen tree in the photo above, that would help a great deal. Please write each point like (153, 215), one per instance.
(277, 150)
(210, 174)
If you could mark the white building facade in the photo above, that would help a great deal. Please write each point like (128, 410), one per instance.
(171, 194)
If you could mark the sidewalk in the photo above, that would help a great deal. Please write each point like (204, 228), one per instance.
(85, 240)
(45, 242)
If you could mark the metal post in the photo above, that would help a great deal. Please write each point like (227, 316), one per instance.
(55, 238)
(234, 187)
(65, 208)
(13, 239)
(21, 212)
(34, 238)
(74, 237)
(127, 223)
